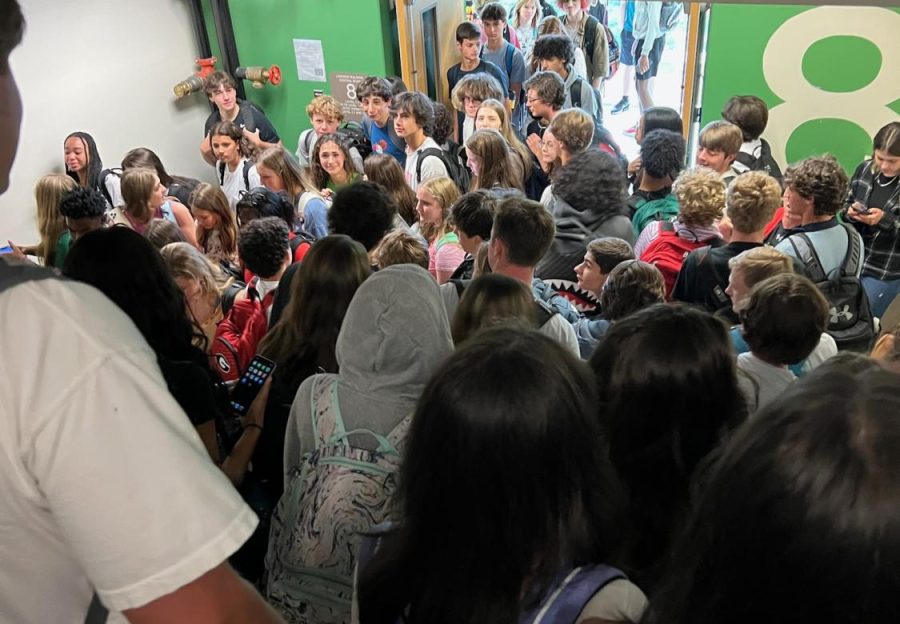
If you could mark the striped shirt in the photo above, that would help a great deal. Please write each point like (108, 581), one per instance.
(882, 240)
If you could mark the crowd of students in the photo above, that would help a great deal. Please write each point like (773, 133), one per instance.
(517, 379)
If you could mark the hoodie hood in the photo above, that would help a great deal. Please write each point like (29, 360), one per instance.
(576, 228)
(394, 336)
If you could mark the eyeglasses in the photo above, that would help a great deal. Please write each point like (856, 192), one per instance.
(529, 100)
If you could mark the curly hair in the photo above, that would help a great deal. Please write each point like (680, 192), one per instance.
(261, 203)
(662, 153)
(574, 128)
(479, 87)
(549, 87)
(82, 203)
(554, 46)
(326, 106)
(701, 196)
(363, 211)
(443, 124)
(592, 181)
(751, 201)
(632, 285)
(263, 245)
(821, 179)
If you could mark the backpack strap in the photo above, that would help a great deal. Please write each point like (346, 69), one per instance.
(666, 228)
(853, 260)
(575, 90)
(247, 165)
(804, 250)
(590, 36)
(508, 59)
(221, 167)
(247, 119)
(571, 593)
(460, 286)
(543, 312)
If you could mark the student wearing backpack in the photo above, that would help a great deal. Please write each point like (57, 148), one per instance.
(83, 164)
(588, 34)
(414, 123)
(831, 251)
(468, 42)
(394, 336)
(279, 172)
(375, 95)
(179, 187)
(701, 201)
(504, 55)
(750, 114)
(873, 208)
(325, 116)
(145, 200)
(509, 407)
(661, 160)
(750, 202)
(720, 142)
(587, 202)
(752, 267)
(235, 167)
(555, 53)
(255, 127)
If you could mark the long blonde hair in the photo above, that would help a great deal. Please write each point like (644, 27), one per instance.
(137, 188)
(187, 262)
(445, 191)
(48, 193)
(296, 180)
(535, 19)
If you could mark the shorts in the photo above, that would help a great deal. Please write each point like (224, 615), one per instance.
(655, 55)
(625, 57)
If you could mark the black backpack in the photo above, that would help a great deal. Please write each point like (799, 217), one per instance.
(590, 37)
(764, 162)
(850, 320)
(181, 189)
(104, 175)
(355, 137)
(456, 170)
(577, 92)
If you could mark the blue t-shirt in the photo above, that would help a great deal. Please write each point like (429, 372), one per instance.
(385, 140)
(627, 25)
(510, 61)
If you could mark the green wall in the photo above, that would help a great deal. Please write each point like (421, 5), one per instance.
(356, 38)
(832, 78)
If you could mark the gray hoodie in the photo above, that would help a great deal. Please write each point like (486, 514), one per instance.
(394, 337)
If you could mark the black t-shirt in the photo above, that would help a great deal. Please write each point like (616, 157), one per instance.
(880, 195)
(250, 117)
(192, 387)
(703, 277)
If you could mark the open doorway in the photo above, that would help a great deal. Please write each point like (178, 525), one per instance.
(669, 85)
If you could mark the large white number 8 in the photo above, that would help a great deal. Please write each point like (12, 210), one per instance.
(351, 92)
(783, 70)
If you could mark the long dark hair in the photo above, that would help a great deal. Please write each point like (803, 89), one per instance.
(144, 158)
(505, 483)
(668, 393)
(129, 270)
(798, 519)
(94, 163)
(305, 335)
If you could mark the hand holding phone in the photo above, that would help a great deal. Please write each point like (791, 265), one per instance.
(859, 207)
(250, 384)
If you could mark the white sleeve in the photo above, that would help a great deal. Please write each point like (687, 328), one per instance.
(114, 188)
(562, 331)
(129, 483)
(618, 601)
(253, 178)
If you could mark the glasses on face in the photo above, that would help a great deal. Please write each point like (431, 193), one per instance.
(532, 100)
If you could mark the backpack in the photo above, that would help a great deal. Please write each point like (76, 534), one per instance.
(590, 37)
(507, 62)
(577, 93)
(181, 189)
(239, 334)
(647, 210)
(337, 494)
(104, 190)
(850, 320)
(669, 16)
(247, 165)
(355, 137)
(543, 311)
(764, 162)
(300, 240)
(668, 251)
(455, 168)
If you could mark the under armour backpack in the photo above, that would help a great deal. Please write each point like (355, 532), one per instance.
(667, 253)
(238, 334)
(338, 494)
(850, 320)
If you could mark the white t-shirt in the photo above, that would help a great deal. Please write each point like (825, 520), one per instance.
(233, 182)
(432, 167)
(105, 484)
(760, 381)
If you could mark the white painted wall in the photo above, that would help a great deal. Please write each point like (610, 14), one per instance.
(106, 67)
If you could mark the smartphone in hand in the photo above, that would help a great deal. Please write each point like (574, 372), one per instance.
(859, 207)
(250, 383)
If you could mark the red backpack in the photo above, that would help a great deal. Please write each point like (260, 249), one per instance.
(668, 251)
(238, 334)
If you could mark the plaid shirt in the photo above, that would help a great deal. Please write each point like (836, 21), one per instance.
(883, 239)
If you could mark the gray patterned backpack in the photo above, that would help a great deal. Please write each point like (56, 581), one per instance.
(338, 493)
